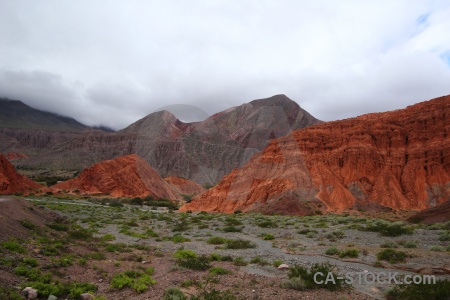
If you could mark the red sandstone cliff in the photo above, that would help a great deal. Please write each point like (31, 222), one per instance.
(184, 186)
(125, 176)
(12, 182)
(398, 159)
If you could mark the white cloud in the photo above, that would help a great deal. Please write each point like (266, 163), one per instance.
(114, 62)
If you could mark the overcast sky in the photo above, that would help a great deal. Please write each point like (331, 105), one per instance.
(113, 62)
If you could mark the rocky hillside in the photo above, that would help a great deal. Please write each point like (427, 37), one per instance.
(184, 186)
(398, 159)
(201, 151)
(12, 182)
(125, 176)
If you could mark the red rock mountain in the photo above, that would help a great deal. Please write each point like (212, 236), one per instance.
(201, 151)
(12, 182)
(398, 159)
(125, 176)
(184, 186)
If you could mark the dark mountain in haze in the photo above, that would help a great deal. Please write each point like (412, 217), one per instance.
(200, 151)
(15, 114)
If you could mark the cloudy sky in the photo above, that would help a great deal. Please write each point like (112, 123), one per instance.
(113, 62)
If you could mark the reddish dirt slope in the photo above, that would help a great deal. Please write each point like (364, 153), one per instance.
(13, 210)
(12, 182)
(184, 186)
(398, 159)
(438, 214)
(125, 176)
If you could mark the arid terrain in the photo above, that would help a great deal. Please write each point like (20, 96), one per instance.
(94, 240)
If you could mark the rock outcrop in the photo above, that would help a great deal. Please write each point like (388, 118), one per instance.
(184, 186)
(12, 182)
(15, 155)
(200, 151)
(398, 159)
(125, 176)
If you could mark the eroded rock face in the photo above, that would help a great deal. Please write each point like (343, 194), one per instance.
(398, 159)
(184, 186)
(12, 182)
(125, 176)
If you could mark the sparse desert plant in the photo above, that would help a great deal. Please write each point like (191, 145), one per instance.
(173, 293)
(303, 279)
(239, 244)
(389, 244)
(387, 228)
(268, 237)
(218, 271)
(391, 255)
(258, 260)
(423, 291)
(195, 263)
(445, 236)
(136, 280)
(437, 248)
(354, 253)
(240, 261)
(332, 251)
(277, 262)
(108, 237)
(216, 240)
(14, 246)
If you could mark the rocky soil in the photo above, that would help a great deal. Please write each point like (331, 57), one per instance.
(142, 237)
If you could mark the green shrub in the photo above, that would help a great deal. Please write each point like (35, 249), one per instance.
(349, 253)
(437, 248)
(58, 226)
(216, 240)
(136, 280)
(277, 262)
(13, 246)
(232, 229)
(258, 260)
(445, 236)
(268, 237)
(179, 239)
(332, 251)
(95, 256)
(303, 279)
(173, 294)
(389, 244)
(80, 233)
(183, 253)
(239, 244)
(390, 229)
(120, 247)
(219, 271)
(239, 261)
(409, 245)
(31, 262)
(267, 224)
(108, 237)
(28, 224)
(10, 294)
(422, 291)
(391, 255)
(215, 257)
(195, 263)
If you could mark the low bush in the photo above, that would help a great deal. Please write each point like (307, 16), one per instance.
(268, 237)
(173, 294)
(216, 240)
(195, 263)
(332, 251)
(219, 271)
(138, 281)
(13, 246)
(389, 244)
(258, 260)
(354, 253)
(239, 244)
(300, 278)
(391, 255)
(422, 291)
(386, 228)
